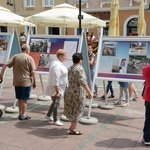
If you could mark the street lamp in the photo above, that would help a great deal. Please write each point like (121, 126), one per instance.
(80, 17)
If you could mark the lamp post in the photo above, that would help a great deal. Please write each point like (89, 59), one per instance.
(80, 17)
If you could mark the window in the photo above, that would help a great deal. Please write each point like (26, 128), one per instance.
(83, 2)
(29, 3)
(105, 31)
(132, 27)
(53, 31)
(48, 3)
(3, 29)
(33, 30)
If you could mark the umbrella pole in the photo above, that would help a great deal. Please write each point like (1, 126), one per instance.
(80, 17)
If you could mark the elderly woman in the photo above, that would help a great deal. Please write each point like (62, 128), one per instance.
(75, 93)
(57, 82)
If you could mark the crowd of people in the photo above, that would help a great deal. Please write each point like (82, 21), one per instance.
(70, 83)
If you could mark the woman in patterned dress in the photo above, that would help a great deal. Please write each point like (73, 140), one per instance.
(75, 93)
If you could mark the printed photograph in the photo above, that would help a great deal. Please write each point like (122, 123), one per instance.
(138, 48)
(109, 49)
(136, 63)
(119, 64)
(44, 60)
(40, 45)
(3, 47)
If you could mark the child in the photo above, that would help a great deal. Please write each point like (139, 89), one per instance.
(123, 88)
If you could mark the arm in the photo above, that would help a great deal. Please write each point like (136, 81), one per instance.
(2, 72)
(34, 79)
(86, 87)
(56, 74)
(81, 77)
(91, 61)
(57, 91)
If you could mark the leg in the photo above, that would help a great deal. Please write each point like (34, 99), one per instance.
(126, 94)
(73, 129)
(95, 88)
(130, 90)
(112, 91)
(19, 106)
(146, 129)
(108, 86)
(133, 89)
(121, 93)
(56, 108)
(23, 106)
(73, 125)
(22, 94)
(51, 108)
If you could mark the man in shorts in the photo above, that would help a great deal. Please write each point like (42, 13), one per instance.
(24, 77)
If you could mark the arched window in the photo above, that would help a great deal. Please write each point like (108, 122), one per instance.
(132, 27)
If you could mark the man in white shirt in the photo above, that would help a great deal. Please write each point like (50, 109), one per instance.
(57, 82)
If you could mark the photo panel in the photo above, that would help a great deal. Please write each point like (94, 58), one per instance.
(43, 49)
(123, 58)
(4, 42)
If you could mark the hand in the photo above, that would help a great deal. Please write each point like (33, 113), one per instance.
(90, 95)
(57, 95)
(34, 85)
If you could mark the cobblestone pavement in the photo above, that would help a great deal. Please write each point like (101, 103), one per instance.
(118, 128)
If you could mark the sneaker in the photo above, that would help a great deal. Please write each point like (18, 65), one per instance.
(117, 103)
(125, 104)
(24, 117)
(136, 96)
(111, 96)
(103, 97)
(123, 99)
(49, 118)
(95, 95)
(146, 142)
(130, 99)
(58, 123)
(19, 117)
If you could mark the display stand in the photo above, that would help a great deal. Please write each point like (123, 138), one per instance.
(33, 96)
(43, 97)
(64, 118)
(12, 109)
(88, 120)
(12, 41)
(106, 105)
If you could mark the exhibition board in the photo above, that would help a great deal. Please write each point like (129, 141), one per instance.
(129, 54)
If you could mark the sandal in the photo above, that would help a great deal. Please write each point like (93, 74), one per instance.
(75, 132)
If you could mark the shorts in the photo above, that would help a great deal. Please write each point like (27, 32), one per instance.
(22, 93)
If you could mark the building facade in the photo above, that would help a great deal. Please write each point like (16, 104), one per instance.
(128, 14)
